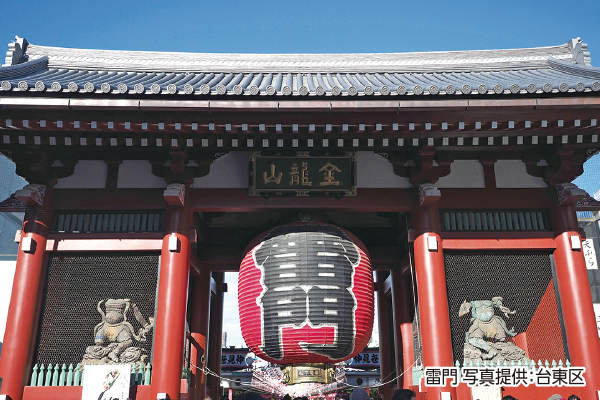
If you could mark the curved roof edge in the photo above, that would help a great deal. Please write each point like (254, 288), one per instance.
(585, 71)
(575, 51)
(25, 68)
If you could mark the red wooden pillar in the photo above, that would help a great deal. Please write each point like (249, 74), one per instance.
(575, 294)
(215, 335)
(23, 312)
(199, 320)
(403, 335)
(169, 328)
(431, 287)
(385, 367)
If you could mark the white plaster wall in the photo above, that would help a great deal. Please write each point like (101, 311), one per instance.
(513, 174)
(88, 174)
(374, 171)
(228, 171)
(463, 174)
(137, 174)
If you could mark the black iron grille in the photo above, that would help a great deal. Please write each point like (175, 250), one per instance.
(521, 279)
(106, 222)
(75, 285)
(496, 220)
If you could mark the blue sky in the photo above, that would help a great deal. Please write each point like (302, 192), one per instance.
(309, 26)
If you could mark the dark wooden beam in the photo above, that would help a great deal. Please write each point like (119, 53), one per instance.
(103, 199)
(502, 199)
(237, 200)
(228, 259)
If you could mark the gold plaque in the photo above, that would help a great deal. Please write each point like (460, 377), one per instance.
(311, 372)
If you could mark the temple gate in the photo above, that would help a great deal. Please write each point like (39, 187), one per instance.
(151, 173)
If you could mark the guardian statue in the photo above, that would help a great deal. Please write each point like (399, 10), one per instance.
(114, 335)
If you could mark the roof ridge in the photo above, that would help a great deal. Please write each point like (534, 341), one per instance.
(456, 60)
(149, 52)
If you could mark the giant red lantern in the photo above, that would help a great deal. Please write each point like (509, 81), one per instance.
(305, 295)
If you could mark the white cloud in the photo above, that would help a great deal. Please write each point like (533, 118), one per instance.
(231, 316)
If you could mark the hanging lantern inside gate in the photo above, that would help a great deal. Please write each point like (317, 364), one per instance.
(305, 296)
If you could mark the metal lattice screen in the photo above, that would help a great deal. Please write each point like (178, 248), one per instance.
(76, 284)
(524, 281)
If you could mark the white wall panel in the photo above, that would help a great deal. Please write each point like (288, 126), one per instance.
(88, 174)
(228, 171)
(137, 174)
(463, 174)
(513, 174)
(374, 171)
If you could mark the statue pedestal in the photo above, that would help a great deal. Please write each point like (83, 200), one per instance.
(486, 393)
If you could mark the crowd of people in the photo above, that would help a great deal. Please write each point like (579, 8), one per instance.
(400, 394)
(357, 394)
(553, 397)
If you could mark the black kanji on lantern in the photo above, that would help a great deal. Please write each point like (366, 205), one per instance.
(307, 277)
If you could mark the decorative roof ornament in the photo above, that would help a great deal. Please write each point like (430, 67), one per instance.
(578, 51)
(16, 52)
(174, 194)
(32, 195)
(428, 194)
(12, 204)
(569, 192)
(588, 203)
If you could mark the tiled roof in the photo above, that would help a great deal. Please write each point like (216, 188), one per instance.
(555, 69)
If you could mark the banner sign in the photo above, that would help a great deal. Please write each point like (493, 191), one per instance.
(106, 382)
(367, 359)
(302, 173)
(234, 358)
(589, 253)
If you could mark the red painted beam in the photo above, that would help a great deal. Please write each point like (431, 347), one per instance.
(499, 244)
(474, 235)
(86, 244)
